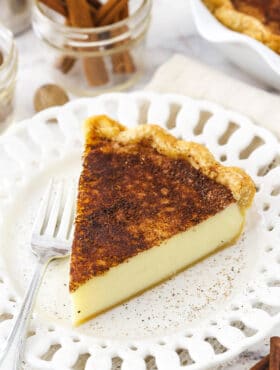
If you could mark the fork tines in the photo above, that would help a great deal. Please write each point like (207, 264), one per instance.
(56, 212)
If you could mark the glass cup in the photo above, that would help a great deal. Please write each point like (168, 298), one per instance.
(16, 14)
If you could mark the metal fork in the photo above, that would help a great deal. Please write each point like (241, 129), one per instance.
(51, 238)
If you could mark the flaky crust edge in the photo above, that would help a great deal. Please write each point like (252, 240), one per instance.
(234, 178)
(225, 12)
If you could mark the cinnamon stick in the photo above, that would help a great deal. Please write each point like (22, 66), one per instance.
(123, 61)
(128, 60)
(79, 15)
(274, 359)
(262, 364)
(60, 6)
(65, 63)
(106, 9)
(104, 16)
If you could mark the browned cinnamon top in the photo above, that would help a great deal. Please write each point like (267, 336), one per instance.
(132, 198)
(267, 11)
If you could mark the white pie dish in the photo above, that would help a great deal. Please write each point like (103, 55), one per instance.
(232, 298)
(249, 54)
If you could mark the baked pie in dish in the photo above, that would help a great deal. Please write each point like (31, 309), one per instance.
(259, 19)
(149, 205)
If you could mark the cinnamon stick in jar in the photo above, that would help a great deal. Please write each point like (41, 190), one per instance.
(79, 15)
(104, 14)
(123, 61)
(111, 12)
(60, 6)
(65, 62)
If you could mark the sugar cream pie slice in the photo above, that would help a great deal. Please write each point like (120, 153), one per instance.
(149, 205)
(259, 19)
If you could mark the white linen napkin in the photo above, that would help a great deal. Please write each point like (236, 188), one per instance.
(186, 76)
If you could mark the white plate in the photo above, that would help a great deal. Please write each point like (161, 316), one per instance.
(202, 317)
(249, 54)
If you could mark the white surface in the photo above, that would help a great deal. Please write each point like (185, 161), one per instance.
(171, 32)
(251, 55)
(239, 284)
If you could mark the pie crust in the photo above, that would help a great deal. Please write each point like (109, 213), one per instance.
(250, 17)
(240, 184)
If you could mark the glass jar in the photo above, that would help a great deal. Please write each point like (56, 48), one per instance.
(8, 74)
(90, 61)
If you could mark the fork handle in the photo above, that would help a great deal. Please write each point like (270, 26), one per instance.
(12, 354)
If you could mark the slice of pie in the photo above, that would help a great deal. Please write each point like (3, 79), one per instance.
(259, 19)
(149, 205)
